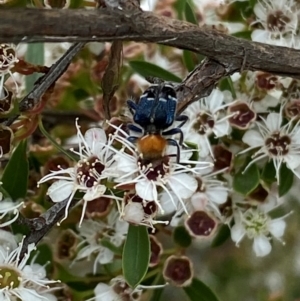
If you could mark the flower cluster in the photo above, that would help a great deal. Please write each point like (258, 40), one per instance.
(21, 280)
(229, 161)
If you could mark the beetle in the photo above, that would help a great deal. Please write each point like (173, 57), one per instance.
(153, 115)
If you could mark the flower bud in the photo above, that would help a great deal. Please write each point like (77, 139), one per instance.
(200, 224)
(178, 270)
(156, 250)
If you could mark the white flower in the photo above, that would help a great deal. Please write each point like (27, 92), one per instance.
(7, 207)
(259, 226)
(22, 281)
(279, 20)
(210, 194)
(205, 119)
(148, 178)
(7, 241)
(281, 144)
(136, 211)
(94, 232)
(87, 174)
(118, 289)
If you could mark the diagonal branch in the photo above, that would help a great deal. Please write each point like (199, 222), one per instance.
(112, 24)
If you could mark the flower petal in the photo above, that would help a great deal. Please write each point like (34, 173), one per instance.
(253, 138)
(217, 195)
(237, 232)
(60, 190)
(183, 185)
(94, 192)
(104, 292)
(274, 121)
(292, 161)
(215, 100)
(93, 137)
(146, 190)
(277, 227)
(261, 246)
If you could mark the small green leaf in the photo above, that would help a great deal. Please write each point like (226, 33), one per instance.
(53, 141)
(15, 175)
(136, 255)
(107, 244)
(147, 69)
(198, 291)
(286, 177)
(227, 84)
(194, 149)
(189, 13)
(179, 5)
(34, 55)
(182, 237)
(269, 173)
(156, 293)
(243, 34)
(247, 180)
(222, 235)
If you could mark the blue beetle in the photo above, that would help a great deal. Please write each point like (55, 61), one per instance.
(153, 115)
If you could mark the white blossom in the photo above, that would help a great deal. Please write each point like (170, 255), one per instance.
(117, 289)
(279, 20)
(87, 175)
(149, 178)
(8, 207)
(205, 119)
(93, 232)
(20, 280)
(256, 224)
(276, 142)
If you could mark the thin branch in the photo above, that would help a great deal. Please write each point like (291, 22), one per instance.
(46, 81)
(78, 25)
(41, 225)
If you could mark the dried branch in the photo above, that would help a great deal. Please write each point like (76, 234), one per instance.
(41, 225)
(111, 76)
(109, 25)
(46, 81)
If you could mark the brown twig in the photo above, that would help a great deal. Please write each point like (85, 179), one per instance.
(114, 24)
(111, 76)
(41, 225)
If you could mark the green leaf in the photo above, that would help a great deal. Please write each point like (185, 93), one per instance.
(227, 84)
(107, 244)
(269, 173)
(147, 69)
(15, 175)
(182, 237)
(189, 13)
(156, 293)
(179, 5)
(53, 141)
(286, 177)
(136, 255)
(34, 55)
(198, 291)
(243, 34)
(247, 180)
(222, 235)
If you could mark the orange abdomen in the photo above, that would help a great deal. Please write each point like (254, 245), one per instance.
(152, 146)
